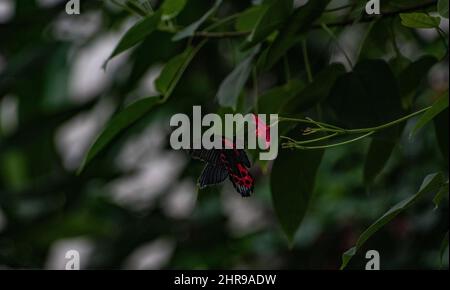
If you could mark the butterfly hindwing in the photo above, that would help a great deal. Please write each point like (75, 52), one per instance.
(212, 174)
(238, 172)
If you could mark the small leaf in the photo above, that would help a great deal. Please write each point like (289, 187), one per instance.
(248, 19)
(136, 34)
(443, 8)
(171, 8)
(117, 124)
(432, 183)
(233, 84)
(191, 29)
(274, 15)
(292, 184)
(419, 20)
(440, 105)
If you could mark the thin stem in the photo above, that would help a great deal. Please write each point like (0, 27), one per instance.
(341, 23)
(312, 140)
(290, 145)
(387, 125)
(330, 128)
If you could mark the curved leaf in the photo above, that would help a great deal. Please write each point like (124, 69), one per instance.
(419, 20)
(380, 151)
(117, 124)
(174, 69)
(136, 34)
(233, 84)
(432, 183)
(292, 184)
(440, 105)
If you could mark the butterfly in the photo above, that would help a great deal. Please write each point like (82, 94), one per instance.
(226, 163)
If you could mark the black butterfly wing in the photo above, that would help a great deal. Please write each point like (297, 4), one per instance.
(235, 162)
(212, 174)
(209, 156)
(243, 158)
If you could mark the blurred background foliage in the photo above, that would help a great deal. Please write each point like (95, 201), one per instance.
(136, 204)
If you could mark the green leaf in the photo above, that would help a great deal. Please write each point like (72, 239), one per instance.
(117, 124)
(380, 151)
(298, 23)
(171, 8)
(443, 248)
(136, 34)
(439, 197)
(432, 183)
(412, 76)
(191, 29)
(315, 92)
(274, 15)
(443, 8)
(292, 184)
(419, 20)
(248, 19)
(233, 84)
(440, 105)
(441, 122)
(174, 69)
(359, 101)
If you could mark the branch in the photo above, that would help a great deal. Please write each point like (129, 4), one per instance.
(237, 34)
